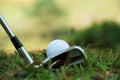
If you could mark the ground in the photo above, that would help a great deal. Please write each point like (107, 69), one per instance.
(102, 65)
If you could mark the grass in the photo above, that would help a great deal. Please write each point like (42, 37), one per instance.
(102, 65)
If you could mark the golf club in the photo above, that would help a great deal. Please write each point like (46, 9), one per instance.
(16, 42)
(58, 51)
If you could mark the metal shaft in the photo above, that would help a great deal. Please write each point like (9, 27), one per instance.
(6, 27)
(16, 42)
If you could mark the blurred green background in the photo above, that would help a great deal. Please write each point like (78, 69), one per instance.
(88, 23)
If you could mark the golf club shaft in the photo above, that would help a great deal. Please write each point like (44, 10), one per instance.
(16, 42)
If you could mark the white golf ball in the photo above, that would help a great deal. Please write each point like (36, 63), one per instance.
(55, 47)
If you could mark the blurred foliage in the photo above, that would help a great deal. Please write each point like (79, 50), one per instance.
(48, 13)
(51, 19)
(104, 35)
(46, 7)
(58, 33)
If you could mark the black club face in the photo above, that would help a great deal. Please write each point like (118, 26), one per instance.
(72, 56)
(61, 58)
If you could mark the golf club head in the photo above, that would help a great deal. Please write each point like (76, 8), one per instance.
(74, 55)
